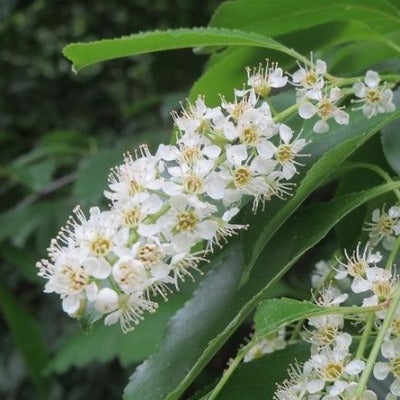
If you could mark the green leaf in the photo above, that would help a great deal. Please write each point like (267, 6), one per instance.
(391, 144)
(128, 348)
(218, 307)
(85, 54)
(256, 380)
(273, 314)
(276, 18)
(28, 338)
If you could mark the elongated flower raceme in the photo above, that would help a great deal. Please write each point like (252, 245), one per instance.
(169, 209)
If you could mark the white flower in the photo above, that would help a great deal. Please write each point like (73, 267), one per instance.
(322, 270)
(331, 297)
(374, 99)
(134, 176)
(309, 80)
(357, 265)
(130, 311)
(327, 329)
(391, 351)
(287, 151)
(325, 108)
(263, 79)
(188, 222)
(267, 345)
(244, 100)
(385, 226)
(196, 118)
(333, 368)
(381, 282)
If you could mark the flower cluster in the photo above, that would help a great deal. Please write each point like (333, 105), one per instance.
(170, 208)
(333, 370)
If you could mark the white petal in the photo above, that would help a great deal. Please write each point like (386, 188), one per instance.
(381, 370)
(307, 110)
(359, 89)
(285, 133)
(372, 79)
(212, 151)
(106, 300)
(207, 229)
(237, 153)
(320, 67)
(97, 267)
(315, 385)
(321, 126)
(355, 367)
(70, 304)
(341, 117)
(335, 94)
(228, 215)
(91, 291)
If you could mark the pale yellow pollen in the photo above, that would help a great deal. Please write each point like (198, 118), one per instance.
(373, 96)
(325, 108)
(249, 135)
(309, 79)
(191, 154)
(134, 187)
(382, 289)
(193, 184)
(396, 326)
(284, 153)
(327, 335)
(132, 217)
(186, 221)
(357, 269)
(385, 226)
(333, 371)
(395, 363)
(100, 246)
(150, 254)
(241, 176)
(78, 279)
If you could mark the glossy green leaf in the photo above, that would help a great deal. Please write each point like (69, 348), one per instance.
(391, 144)
(218, 307)
(85, 54)
(273, 314)
(128, 348)
(28, 338)
(278, 18)
(256, 380)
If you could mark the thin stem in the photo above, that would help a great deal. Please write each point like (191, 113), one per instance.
(362, 384)
(286, 113)
(392, 255)
(366, 334)
(379, 171)
(228, 372)
(348, 81)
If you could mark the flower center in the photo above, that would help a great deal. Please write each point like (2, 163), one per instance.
(134, 187)
(396, 326)
(333, 371)
(382, 290)
(249, 135)
(150, 254)
(328, 334)
(357, 269)
(100, 246)
(191, 154)
(284, 153)
(262, 88)
(204, 126)
(131, 218)
(193, 184)
(325, 109)
(129, 274)
(373, 96)
(396, 366)
(241, 176)
(385, 226)
(310, 79)
(238, 110)
(77, 278)
(187, 221)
